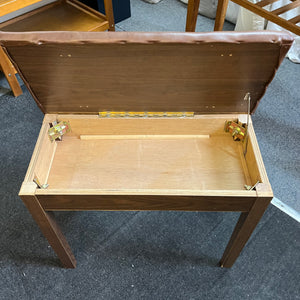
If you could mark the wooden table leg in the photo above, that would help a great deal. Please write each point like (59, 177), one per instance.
(220, 16)
(51, 230)
(243, 230)
(192, 13)
(9, 72)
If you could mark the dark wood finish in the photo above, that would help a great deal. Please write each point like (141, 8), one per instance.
(192, 13)
(145, 202)
(9, 72)
(243, 230)
(146, 72)
(259, 10)
(51, 231)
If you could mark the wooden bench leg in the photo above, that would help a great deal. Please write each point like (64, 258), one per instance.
(192, 13)
(109, 13)
(243, 230)
(9, 72)
(221, 13)
(51, 230)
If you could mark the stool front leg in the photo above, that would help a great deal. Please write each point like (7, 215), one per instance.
(51, 230)
(243, 230)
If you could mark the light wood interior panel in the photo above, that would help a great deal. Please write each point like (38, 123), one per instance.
(201, 164)
(44, 161)
(42, 157)
(254, 160)
(134, 154)
(89, 125)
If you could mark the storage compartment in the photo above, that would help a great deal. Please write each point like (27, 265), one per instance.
(144, 154)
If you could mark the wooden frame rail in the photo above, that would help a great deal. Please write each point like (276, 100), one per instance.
(41, 207)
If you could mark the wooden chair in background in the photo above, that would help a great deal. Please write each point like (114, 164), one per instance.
(62, 15)
(9, 72)
(257, 8)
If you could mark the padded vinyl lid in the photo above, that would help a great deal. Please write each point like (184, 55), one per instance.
(88, 72)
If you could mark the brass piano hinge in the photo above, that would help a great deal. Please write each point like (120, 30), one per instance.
(145, 114)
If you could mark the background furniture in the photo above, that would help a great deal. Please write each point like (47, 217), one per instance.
(62, 15)
(121, 8)
(8, 6)
(257, 8)
(10, 73)
(192, 13)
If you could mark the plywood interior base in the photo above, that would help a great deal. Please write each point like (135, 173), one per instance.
(192, 163)
(143, 154)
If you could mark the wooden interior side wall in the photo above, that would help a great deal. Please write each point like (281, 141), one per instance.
(254, 160)
(89, 125)
(42, 157)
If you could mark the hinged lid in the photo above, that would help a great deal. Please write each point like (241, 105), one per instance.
(88, 72)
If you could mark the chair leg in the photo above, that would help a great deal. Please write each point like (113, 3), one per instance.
(9, 72)
(192, 13)
(220, 16)
(243, 230)
(51, 231)
(109, 14)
